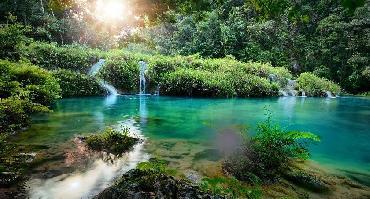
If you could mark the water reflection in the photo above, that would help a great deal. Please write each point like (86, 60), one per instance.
(97, 177)
(288, 104)
(143, 111)
(110, 100)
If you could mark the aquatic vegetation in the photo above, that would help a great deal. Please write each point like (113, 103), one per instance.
(230, 187)
(316, 86)
(74, 84)
(157, 166)
(112, 141)
(269, 153)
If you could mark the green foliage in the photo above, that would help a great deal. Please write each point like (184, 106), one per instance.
(269, 153)
(28, 81)
(230, 187)
(193, 76)
(3, 146)
(122, 72)
(329, 38)
(156, 166)
(253, 86)
(12, 36)
(316, 86)
(191, 82)
(15, 113)
(24, 89)
(74, 84)
(52, 56)
(112, 141)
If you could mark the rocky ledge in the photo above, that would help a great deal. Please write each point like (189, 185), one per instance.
(150, 184)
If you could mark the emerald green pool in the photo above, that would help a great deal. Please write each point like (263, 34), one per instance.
(186, 130)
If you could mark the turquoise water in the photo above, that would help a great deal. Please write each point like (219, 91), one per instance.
(343, 123)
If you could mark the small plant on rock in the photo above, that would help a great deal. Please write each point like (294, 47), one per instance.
(269, 153)
(112, 141)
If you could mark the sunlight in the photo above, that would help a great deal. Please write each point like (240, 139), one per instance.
(110, 11)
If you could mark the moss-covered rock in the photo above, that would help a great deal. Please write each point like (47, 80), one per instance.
(307, 181)
(112, 141)
(139, 183)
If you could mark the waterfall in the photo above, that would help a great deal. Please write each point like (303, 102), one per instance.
(143, 67)
(111, 90)
(157, 91)
(289, 89)
(94, 70)
(329, 94)
(283, 93)
(96, 67)
(304, 94)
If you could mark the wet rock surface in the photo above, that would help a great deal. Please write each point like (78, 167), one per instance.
(8, 179)
(148, 184)
(307, 181)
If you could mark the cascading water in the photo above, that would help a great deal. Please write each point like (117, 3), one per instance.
(96, 67)
(289, 89)
(303, 94)
(143, 67)
(329, 94)
(94, 70)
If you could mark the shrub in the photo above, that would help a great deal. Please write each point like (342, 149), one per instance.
(269, 153)
(248, 85)
(51, 56)
(74, 84)
(11, 38)
(122, 74)
(191, 82)
(15, 113)
(192, 75)
(112, 141)
(36, 84)
(316, 86)
(24, 89)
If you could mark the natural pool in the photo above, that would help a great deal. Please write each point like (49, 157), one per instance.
(185, 131)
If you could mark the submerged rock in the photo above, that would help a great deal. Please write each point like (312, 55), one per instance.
(149, 184)
(361, 178)
(193, 176)
(306, 181)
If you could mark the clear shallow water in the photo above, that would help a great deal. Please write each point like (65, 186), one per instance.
(195, 125)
